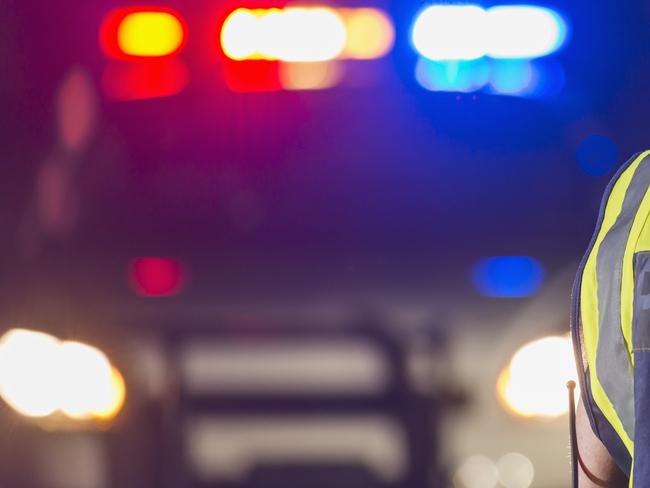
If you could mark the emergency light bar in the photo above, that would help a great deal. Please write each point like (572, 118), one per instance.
(462, 48)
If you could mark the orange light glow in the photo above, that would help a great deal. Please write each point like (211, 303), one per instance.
(531, 385)
(41, 375)
(87, 387)
(151, 32)
(114, 403)
(370, 33)
(310, 76)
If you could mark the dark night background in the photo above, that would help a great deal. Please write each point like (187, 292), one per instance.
(375, 195)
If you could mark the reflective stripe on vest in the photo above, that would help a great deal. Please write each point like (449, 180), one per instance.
(605, 317)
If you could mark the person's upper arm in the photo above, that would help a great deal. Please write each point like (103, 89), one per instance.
(595, 457)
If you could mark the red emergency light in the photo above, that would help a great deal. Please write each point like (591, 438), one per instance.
(156, 276)
(140, 81)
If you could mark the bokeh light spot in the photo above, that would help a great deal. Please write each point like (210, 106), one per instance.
(508, 276)
(511, 77)
(157, 276)
(310, 76)
(141, 33)
(144, 80)
(515, 471)
(29, 373)
(534, 383)
(309, 34)
(476, 472)
(452, 76)
(150, 34)
(370, 33)
(524, 31)
(76, 109)
(450, 32)
(40, 375)
(240, 34)
(466, 32)
(86, 380)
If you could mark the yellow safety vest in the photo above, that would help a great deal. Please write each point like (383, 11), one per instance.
(611, 321)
